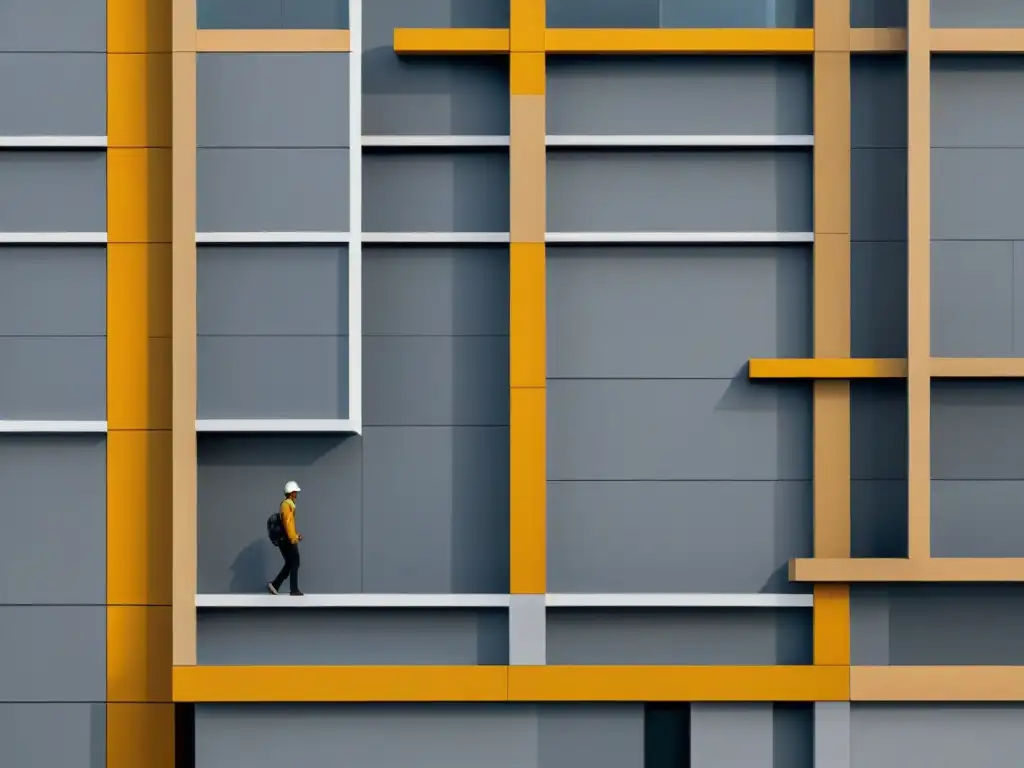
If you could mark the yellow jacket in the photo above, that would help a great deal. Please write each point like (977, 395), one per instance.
(288, 519)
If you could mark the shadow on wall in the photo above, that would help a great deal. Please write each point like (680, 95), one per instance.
(97, 736)
(252, 566)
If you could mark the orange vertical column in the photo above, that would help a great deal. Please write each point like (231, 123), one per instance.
(140, 715)
(527, 313)
(832, 320)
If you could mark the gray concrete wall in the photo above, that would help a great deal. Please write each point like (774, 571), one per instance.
(680, 13)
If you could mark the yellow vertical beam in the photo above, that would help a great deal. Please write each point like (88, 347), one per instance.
(832, 319)
(140, 715)
(919, 386)
(183, 328)
(527, 301)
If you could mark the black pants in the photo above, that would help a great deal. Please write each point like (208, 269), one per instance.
(290, 571)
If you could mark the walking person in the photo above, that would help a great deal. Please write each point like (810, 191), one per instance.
(288, 543)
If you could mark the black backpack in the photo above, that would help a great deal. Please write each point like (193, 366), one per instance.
(275, 529)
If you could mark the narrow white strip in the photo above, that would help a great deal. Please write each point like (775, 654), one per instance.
(355, 215)
(680, 141)
(339, 426)
(430, 238)
(678, 600)
(352, 601)
(453, 142)
(680, 237)
(242, 238)
(54, 427)
(53, 142)
(53, 238)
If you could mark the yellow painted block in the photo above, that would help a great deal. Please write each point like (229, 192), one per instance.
(831, 624)
(139, 517)
(139, 195)
(527, 315)
(679, 41)
(527, 23)
(138, 654)
(528, 491)
(138, 382)
(140, 736)
(139, 26)
(828, 368)
(451, 41)
(527, 74)
(139, 289)
(139, 100)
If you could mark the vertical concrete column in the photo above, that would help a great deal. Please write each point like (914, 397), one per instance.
(831, 319)
(140, 715)
(832, 734)
(527, 630)
(527, 321)
(732, 736)
(919, 268)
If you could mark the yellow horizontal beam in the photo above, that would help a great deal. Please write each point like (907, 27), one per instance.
(896, 569)
(950, 683)
(977, 40)
(273, 41)
(325, 684)
(451, 41)
(828, 368)
(658, 683)
(977, 367)
(878, 40)
(627, 41)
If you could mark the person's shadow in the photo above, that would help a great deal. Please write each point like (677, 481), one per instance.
(251, 571)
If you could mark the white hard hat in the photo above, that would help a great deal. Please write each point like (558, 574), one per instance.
(290, 487)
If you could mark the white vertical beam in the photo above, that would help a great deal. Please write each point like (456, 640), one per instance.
(355, 215)
(527, 630)
(832, 734)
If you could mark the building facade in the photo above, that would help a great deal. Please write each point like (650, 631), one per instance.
(649, 368)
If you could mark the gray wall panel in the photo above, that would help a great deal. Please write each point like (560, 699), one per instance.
(977, 430)
(674, 191)
(977, 13)
(655, 95)
(910, 624)
(878, 299)
(240, 484)
(669, 537)
(436, 381)
(46, 191)
(623, 312)
(431, 191)
(670, 636)
(973, 298)
(53, 291)
(878, 194)
(272, 377)
(55, 490)
(794, 736)
(726, 735)
(878, 13)
(878, 441)
(679, 13)
(878, 94)
(678, 430)
(272, 14)
(272, 290)
(977, 518)
(272, 100)
(878, 512)
(427, 95)
(937, 735)
(54, 25)
(436, 291)
(305, 637)
(435, 509)
(974, 194)
(53, 94)
(44, 735)
(53, 653)
(608, 736)
(964, 87)
(53, 377)
(272, 190)
(377, 736)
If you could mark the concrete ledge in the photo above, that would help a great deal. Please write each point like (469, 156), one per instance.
(339, 426)
(53, 238)
(678, 600)
(53, 142)
(53, 427)
(353, 601)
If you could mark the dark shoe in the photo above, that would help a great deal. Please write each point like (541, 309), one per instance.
(271, 588)
(297, 594)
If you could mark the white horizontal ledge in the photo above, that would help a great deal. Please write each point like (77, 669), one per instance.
(352, 601)
(436, 238)
(53, 238)
(680, 237)
(53, 142)
(339, 426)
(250, 238)
(53, 427)
(679, 600)
(440, 142)
(680, 141)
